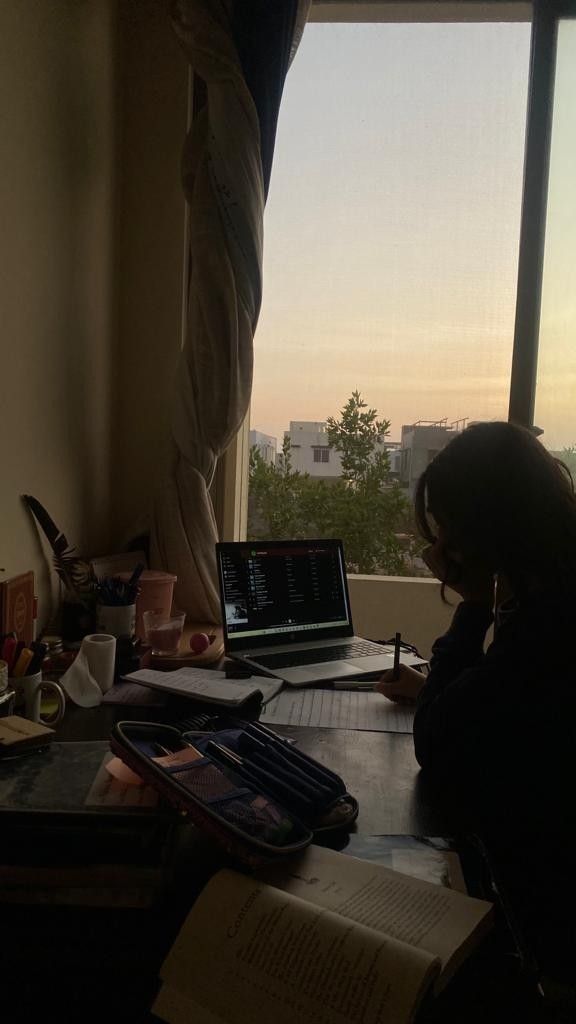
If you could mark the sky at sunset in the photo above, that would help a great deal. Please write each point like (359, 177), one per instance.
(392, 224)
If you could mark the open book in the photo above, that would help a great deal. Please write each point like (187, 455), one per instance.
(327, 939)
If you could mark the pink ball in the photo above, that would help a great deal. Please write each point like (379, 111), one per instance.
(199, 642)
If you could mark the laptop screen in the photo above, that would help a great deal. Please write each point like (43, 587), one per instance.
(282, 591)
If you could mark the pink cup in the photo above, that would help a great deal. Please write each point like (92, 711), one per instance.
(156, 591)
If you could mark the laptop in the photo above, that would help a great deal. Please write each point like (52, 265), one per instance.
(286, 612)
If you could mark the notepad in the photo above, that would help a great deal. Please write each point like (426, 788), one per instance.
(207, 685)
(338, 709)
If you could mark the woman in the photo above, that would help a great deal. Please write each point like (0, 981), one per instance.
(497, 727)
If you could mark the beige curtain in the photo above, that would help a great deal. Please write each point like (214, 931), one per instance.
(224, 187)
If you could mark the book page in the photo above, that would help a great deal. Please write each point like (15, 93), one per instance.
(248, 951)
(430, 917)
(338, 709)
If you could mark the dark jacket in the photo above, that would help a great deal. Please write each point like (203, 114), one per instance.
(497, 731)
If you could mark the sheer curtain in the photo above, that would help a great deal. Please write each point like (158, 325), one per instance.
(240, 53)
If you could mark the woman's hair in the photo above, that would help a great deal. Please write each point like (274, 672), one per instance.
(504, 504)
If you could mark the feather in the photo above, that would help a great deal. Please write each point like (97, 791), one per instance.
(72, 570)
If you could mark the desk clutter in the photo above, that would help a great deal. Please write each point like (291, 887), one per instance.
(116, 616)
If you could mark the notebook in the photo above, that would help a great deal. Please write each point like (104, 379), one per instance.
(286, 612)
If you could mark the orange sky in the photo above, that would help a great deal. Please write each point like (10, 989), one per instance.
(391, 229)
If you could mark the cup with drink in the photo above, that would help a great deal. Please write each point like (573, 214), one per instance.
(163, 630)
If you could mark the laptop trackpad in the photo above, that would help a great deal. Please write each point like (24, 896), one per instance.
(373, 663)
(318, 673)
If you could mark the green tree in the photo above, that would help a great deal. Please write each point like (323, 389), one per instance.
(275, 497)
(365, 507)
(356, 436)
(370, 505)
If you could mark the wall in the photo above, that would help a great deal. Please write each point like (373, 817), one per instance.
(382, 605)
(152, 104)
(56, 196)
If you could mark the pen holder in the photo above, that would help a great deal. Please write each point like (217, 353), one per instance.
(116, 619)
(29, 691)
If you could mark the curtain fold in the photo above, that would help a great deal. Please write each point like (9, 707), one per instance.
(241, 51)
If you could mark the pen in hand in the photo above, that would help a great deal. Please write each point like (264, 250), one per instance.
(396, 668)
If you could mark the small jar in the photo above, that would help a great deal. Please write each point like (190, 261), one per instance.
(57, 660)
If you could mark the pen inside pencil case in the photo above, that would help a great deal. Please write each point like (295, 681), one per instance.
(289, 770)
(319, 771)
(262, 780)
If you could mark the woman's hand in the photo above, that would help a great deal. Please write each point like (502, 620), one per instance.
(473, 584)
(404, 689)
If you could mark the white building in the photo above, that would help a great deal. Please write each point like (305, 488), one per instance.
(420, 442)
(311, 453)
(266, 445)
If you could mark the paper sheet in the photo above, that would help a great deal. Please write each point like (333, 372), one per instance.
(338, 709)
(207, 683)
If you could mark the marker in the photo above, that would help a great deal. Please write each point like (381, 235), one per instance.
(396, 668)
(23, 662)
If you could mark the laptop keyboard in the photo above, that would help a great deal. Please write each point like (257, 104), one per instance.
(341, 652)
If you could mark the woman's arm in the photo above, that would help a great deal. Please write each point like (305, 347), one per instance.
(459, 698)
(463, 644)
(459, 648)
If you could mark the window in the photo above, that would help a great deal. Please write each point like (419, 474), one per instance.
(394, 227)
(321, 455)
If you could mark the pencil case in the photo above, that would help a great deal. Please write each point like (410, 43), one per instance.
(247, 787)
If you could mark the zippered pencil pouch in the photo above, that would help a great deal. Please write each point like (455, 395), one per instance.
(249, 788)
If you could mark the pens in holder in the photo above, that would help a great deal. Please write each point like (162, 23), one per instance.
(20, 667)
(396, 668)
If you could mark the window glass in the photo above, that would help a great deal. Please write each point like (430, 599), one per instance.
(556, 379)
(391, 240)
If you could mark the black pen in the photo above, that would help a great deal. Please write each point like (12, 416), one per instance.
(396, 668)
(261, 779)
(317, 770)
(300, 775)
